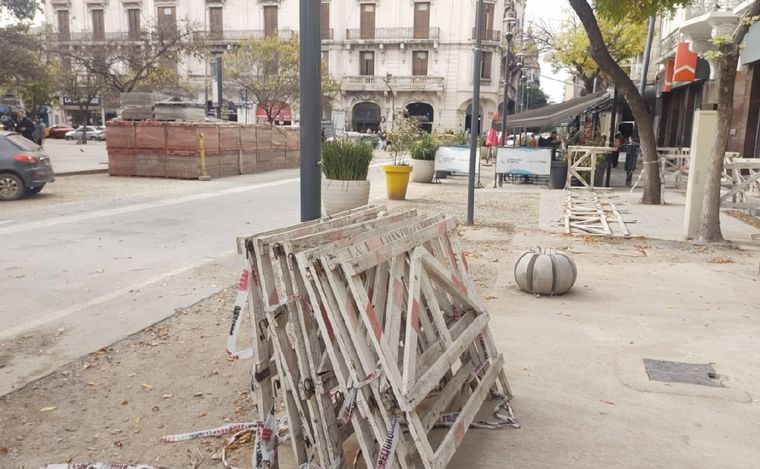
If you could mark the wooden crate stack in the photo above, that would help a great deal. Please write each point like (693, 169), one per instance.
(367, 324)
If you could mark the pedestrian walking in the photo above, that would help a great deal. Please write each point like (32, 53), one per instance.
(39, 131)
(25, 126)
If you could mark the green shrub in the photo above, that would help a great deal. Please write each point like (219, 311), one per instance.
(346, 160)
(424, 148)
(446, 139)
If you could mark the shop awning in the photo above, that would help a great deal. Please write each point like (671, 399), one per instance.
(554, 114)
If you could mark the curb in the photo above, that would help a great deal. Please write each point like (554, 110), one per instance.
(82, 173)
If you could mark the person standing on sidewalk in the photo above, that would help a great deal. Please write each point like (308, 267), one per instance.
(25, 126)
(39, 131)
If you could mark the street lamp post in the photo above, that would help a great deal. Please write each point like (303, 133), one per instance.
(508, 35)
(387, 81)
(508, 21)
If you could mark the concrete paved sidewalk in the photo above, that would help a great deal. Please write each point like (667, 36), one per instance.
(70, 157)
(652, 221)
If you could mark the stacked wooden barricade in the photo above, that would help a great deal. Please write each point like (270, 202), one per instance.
(367, 324)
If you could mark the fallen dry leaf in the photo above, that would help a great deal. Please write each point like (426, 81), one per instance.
(606, 402)
(46, 409)
(3, 450)
(167, 396)
(720, 260)
(147, 386)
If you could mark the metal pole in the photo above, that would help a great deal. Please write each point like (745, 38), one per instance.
(506, 93)
(474, 121)
(219, 86)
(311, 90)
(647, 56)
(613, 124)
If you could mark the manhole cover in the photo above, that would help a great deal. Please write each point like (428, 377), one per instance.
(677, 372)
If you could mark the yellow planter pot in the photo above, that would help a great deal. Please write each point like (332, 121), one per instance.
(397, 180)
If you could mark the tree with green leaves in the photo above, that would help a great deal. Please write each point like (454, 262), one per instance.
(149, 63)
(567, 48)
(22, 53)
(268, 69)
(727, 55)
(19, 9)
(535, 97)
(627, 12)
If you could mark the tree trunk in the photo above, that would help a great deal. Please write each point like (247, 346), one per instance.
(709, 222)
(624, 84)
(588, 84)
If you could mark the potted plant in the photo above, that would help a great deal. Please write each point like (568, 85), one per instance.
(345, 164)
(423, 158)
(400, 141)
(558, 170)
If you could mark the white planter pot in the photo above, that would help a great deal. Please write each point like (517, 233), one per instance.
(424, 171)
(339, 196)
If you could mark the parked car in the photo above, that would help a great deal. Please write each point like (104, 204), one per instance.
(102, 132)
(59, 131)
(92, 133)
(24, 167)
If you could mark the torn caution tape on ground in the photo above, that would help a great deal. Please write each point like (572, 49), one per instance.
(99, 466)
(219, 431)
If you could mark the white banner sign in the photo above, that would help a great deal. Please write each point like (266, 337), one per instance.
(524, 160)
(454, 160)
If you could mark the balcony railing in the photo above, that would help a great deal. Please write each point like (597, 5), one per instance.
(236, 35)
(393, 34)
(399, 83)
(489, 35)
(702, 7)
(91, 38)
(225, 36)
(669, 42)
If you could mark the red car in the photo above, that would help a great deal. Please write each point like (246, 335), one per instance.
(59, 131)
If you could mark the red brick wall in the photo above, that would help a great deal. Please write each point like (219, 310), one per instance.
(171, 149)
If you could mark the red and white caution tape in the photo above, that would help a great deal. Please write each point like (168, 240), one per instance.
(241, 301)
(344, 414)
(219, 431)
(387, 452)
(99, 465)
(266, 443)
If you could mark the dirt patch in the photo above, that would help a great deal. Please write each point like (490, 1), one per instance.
(745, 217)
(113, 405)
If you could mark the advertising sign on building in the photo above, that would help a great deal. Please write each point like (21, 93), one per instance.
(68, 101)
(455, 160)
(524, 160)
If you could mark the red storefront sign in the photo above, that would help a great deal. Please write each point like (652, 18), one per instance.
(668, 76)
(685, 64)
(280, 112)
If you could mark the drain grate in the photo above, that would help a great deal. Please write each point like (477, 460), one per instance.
(678, 372)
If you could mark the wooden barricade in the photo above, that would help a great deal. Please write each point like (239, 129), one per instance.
(582, 159)
(595, 212)
(743, 184)
(674, 168)
(372, 322)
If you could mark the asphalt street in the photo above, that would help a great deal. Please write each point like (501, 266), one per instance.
(80, 275)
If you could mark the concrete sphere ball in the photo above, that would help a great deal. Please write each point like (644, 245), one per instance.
(545, 271)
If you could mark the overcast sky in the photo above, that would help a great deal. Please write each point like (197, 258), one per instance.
(550, 11)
